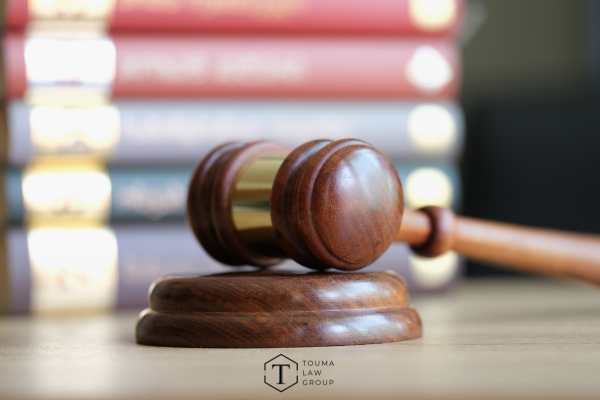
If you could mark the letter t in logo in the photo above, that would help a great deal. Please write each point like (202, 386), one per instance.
(280, 366)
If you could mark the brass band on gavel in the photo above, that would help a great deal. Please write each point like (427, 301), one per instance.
(251, 211)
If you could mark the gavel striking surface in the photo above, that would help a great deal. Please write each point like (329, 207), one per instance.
(267, 309)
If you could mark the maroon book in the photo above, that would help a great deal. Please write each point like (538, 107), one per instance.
(162, 66)
(400, 17)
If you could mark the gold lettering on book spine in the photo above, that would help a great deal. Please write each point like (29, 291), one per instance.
(261, 68)
(152, 201)
(268, 9)
(179, 66)
(157, 6)
(265, 9)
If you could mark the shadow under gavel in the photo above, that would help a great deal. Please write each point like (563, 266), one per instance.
(339, 204)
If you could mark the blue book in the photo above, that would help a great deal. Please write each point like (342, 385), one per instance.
(171, 132)
(57, 192)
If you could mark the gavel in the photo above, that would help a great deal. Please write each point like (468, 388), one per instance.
(326, 204)
(339, 204)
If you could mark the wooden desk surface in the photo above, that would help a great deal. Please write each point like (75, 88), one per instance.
(511, 339)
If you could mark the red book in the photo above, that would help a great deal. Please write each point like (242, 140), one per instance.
(192, 66)
(404, 17)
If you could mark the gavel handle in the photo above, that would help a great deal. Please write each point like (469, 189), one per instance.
(432, 231)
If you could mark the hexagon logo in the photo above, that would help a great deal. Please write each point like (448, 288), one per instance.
(281, 373)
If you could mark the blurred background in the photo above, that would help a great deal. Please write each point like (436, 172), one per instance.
(530, 93)
(487, 107)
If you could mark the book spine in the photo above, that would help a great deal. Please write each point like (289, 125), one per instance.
(259, 67)
(399, 17)
(167, 132)
(91, 193)
(53, 270)
(77, 269)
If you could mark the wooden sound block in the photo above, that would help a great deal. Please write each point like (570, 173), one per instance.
(278, 309)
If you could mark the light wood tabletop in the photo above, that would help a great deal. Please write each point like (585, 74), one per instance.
(485, 340)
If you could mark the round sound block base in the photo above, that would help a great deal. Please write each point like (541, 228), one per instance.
(262, 309)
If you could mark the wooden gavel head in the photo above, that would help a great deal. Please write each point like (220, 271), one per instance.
(326, 204)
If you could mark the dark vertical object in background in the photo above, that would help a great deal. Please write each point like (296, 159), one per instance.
(535, 46)
(593, 42)
(532, 143)
(536, 163)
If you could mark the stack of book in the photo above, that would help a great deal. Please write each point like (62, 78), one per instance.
(110, 103)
